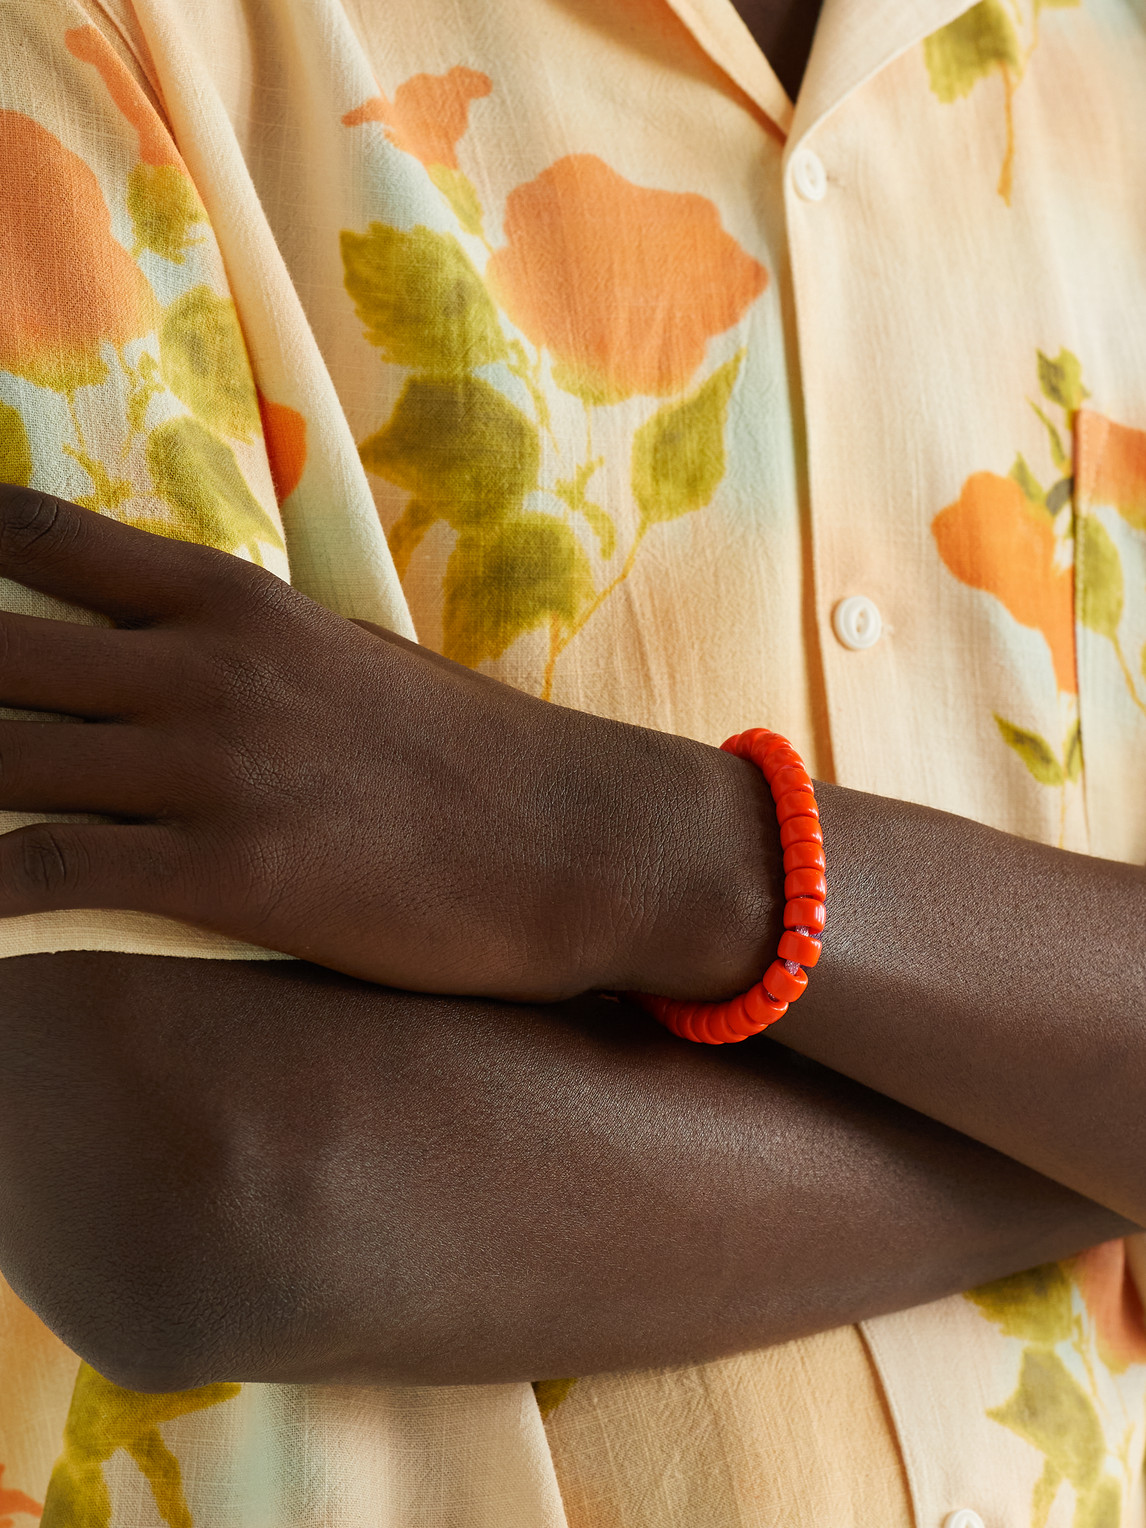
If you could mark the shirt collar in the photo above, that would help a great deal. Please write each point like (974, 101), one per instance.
(854, 40)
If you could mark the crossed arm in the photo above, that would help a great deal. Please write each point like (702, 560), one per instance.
(214, 1170)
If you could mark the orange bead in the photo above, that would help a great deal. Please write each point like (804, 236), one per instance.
(695, 1022)
(760, 1009)
(706, 1023)
(800, 947)
(748, 742)
(803, 856)
(802, 912)
(800, 830)
(784, 981)
(722, 1028)
(806, 883)
(790, 778)
(739, 1025)
(775, 760)
(796, 804)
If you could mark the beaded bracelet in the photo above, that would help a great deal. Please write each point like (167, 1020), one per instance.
(805, 891)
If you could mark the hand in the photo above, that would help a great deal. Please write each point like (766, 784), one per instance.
(289, 778)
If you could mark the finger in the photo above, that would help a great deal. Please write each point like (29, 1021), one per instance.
(130, 575)
(55, 865)
(89, 671)
(75, 767)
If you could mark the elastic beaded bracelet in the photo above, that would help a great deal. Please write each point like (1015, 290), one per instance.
(805, 892)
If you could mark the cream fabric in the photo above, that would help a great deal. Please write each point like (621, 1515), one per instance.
(504, 323)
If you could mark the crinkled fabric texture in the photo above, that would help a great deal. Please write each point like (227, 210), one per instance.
(505, 325)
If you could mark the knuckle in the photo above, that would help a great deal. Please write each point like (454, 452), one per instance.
(32, 523)
(46, 866)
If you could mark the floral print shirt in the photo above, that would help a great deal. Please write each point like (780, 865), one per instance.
(552, 332)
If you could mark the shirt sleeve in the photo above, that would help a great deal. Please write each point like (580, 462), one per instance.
(125, 380)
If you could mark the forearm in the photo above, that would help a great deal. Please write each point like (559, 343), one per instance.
(264, 1172)
(991, 983)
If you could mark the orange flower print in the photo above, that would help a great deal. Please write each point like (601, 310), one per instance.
(1112, 1299)
(284, 434)
(623, 284)
(992, 539)
(14, 1503)
(428, 115)
(68, 285)
(90, 46)
(1112, 466)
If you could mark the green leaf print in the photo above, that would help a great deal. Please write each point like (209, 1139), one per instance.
(1058, 451)
(15, 448)
(420, 300)
(1027, 481)
(969, 48)
(511, 579)
(678, 454)
(1101, 1507)
(164, 207)
(1059, 495)
(105, 1418)
(465, 452)
(204, 362)
(197, 475)
(1035, 752)
(550, 1393)
(1061, 380)
(1046, 1489)
(1099, 578)
(1035, 1305)
(1050, 1409)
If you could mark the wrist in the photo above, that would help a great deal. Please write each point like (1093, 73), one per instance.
(697, 874)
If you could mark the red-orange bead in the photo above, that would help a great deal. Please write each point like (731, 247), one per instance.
(785, 983)
(750, 742)
(679, 1020)
(740, 1025)
(801, 948)
(802, 912)
(760, 1008)
(776, 759)
(709, 1026)
(801, 840)
(806, 883)
(726, 1026)
(803, 856)
(800, 830)
(796, 804)
(790, 778)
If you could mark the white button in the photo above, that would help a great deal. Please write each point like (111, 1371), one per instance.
(808, 175)
(964, 1518)
(858, 624)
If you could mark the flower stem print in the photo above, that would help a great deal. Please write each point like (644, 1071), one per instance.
(602, 292)
(992, 37)
(1013, 538)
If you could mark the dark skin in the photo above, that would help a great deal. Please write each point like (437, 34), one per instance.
(213, 1170)
(784, 29)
